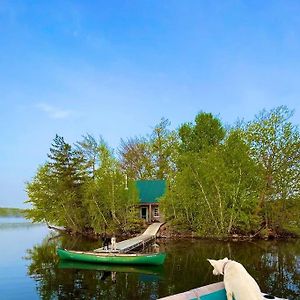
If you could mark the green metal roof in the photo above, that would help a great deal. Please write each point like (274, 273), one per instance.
(150, 190)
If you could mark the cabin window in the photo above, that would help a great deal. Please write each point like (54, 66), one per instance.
(156, 212)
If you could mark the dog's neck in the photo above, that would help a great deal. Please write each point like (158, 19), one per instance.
(225, 264)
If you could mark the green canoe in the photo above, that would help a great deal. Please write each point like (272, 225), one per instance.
(112, 258)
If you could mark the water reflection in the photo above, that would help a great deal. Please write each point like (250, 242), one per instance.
(11, 223)
(12, 220)
(148, 270)
(73, 280)
(275, 265)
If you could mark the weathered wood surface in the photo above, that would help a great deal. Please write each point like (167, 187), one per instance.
(196, 293)
(152, 229)
(199, 293)
(138, 241)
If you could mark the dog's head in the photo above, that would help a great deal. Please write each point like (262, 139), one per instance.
(218, 265)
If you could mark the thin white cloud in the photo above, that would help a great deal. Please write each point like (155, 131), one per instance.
(54, 112)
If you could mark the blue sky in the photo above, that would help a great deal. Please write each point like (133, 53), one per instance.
(114, 68)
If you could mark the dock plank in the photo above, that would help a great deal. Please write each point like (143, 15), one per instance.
(130, 244)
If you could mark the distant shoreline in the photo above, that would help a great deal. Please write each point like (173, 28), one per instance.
(11, 212)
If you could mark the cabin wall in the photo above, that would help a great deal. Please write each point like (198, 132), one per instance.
(150, 212)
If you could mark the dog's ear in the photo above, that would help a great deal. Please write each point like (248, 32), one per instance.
(212, 262)
(225, 259)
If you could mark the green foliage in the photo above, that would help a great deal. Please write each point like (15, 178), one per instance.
(220, 182)
(56, 190)
(164, 149)
(151, 157)
(275, 144)
(11, 212)
(206, 132)
(109, 204)
(89, 148)
(239, 180)
(135, 158)
(74, 191)
(215, 192)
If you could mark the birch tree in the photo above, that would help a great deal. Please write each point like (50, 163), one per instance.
(275, 144)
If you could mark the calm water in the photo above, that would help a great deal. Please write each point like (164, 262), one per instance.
(29, 268)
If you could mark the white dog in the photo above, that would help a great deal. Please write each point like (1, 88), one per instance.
(238, 282)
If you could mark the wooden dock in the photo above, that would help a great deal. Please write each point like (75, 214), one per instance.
(136, 242)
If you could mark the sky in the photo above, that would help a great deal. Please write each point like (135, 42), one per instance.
(115, 68)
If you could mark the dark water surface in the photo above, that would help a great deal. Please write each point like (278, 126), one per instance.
(30, 269)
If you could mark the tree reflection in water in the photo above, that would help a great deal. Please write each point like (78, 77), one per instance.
(275, 266)
(73, 280)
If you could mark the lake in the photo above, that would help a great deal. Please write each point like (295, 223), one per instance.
(30, 269)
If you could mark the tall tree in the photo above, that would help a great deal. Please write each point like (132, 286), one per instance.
(275, 144)
(65, 192)
(207, 131)
(56, 190)
(110, 204)
(215, 193)
(164, 149)
(89, 148)
(66, 163)
(135, 158)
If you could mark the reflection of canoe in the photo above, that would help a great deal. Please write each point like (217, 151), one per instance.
(215, 291)
(148, 270)
(113, 258)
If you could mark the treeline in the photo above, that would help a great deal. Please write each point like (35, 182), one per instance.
(221, 180)
(11, 212)
(243, 180)
(82, 188)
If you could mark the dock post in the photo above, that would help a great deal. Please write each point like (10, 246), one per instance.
(113, 243)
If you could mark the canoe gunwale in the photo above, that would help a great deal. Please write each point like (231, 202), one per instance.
(198, 293)
(112, 258)
(113, 253)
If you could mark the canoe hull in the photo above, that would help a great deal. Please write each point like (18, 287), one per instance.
(112, 258)
(215, 291)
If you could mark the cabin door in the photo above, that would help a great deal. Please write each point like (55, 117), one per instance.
(144, 213)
